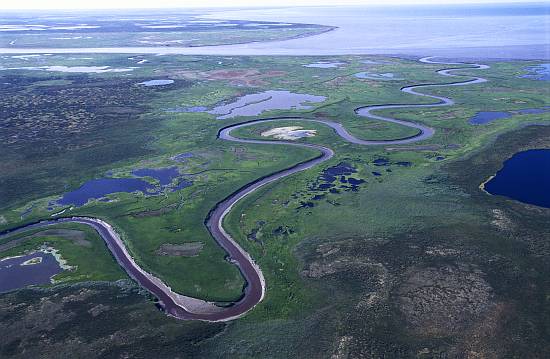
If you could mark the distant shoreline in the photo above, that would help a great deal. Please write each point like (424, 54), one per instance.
(490, 53)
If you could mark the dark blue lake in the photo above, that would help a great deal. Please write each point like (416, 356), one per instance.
(18, 272)
(525, 177)
(163, 175)
(99, 188)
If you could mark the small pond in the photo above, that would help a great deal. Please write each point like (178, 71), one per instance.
(484, 117)
(525, 177)
(337, 178)
(29, 269)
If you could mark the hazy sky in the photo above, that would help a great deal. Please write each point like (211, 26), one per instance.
(121, 4)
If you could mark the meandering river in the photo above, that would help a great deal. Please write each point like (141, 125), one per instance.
(184, 307)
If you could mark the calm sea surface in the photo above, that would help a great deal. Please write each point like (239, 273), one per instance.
(520, 31)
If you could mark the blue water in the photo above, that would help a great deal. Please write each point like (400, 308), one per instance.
(525, 177)
(257, 103)
(381, 162)
(484, 117)
(540, 72)
(517, 30)
(99, 188)
(340, 174)
(14, 275)
(163, 175)
(355, 182)
(465, 30)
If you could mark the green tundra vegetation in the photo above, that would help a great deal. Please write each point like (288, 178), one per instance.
(403, 256)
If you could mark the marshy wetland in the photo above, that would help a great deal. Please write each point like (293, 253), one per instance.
(405, 220)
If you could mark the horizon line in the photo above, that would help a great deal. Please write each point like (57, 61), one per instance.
(222, 7)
